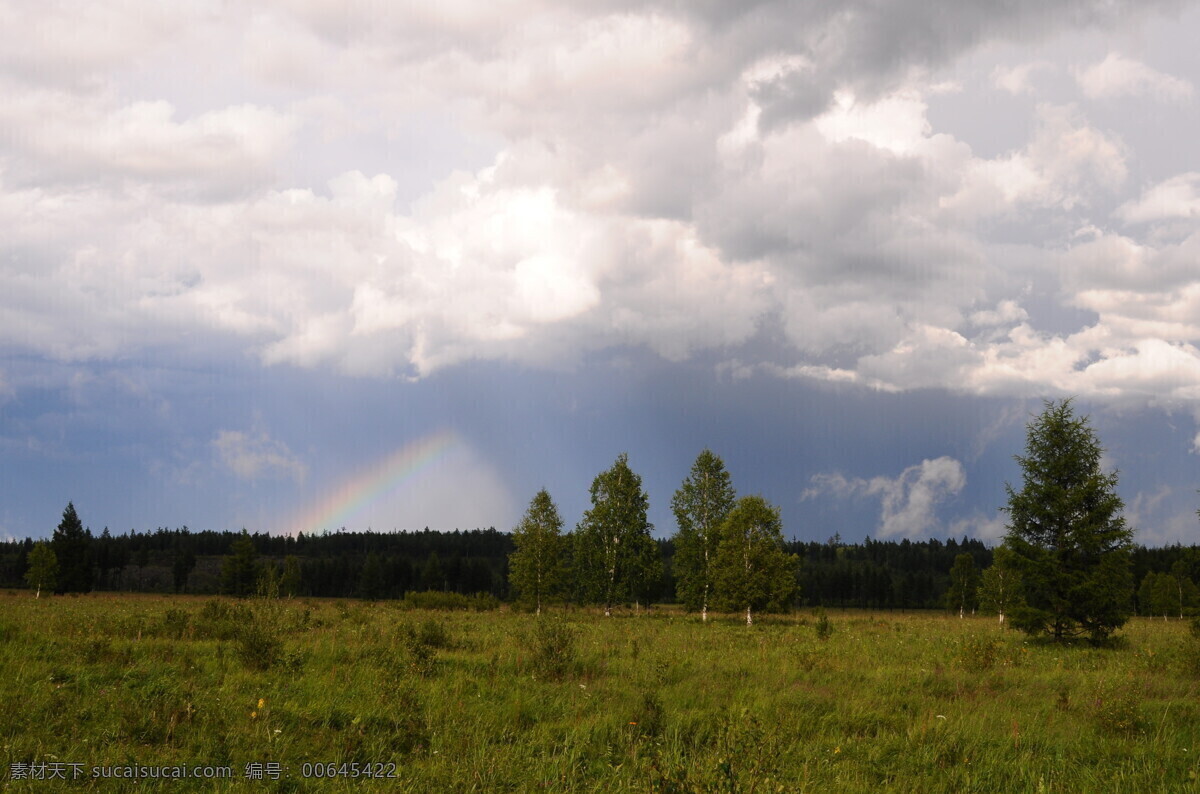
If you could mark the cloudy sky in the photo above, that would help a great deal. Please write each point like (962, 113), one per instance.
(298, 264)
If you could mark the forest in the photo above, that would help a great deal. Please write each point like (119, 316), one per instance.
(876, 574)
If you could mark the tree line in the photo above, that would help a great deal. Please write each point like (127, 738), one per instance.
(1067, 566)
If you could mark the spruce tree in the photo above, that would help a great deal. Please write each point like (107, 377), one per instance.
(536, 567)
(73, 548)
(1068, 537)
(700, 505)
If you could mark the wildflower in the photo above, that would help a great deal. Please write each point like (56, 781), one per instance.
(254, 715)
(837, 750)
(261, 702)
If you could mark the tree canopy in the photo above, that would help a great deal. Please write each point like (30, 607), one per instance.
(700, 505)
(1068, 537)
(616, 558)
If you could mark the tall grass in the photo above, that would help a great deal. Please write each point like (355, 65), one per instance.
(460, 700)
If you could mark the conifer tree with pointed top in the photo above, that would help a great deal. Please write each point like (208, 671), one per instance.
(72, 546)
(1070, 542)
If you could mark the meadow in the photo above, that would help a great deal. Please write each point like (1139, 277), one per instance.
(654, 701)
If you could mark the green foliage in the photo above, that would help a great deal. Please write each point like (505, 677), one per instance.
(259, 646)
(1068, 537)
(823, 626)
(701, 506)
(371, 585)
(289, 583)
(420, 646)
(1157, 594)
(1000, 585)
(43, 567)
(553, 648)
(537, 567)
(616, 559)
(72, 549)
(964, 584)
(239, 572)
(751, 570)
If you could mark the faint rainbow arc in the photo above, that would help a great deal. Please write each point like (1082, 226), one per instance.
(342, 502)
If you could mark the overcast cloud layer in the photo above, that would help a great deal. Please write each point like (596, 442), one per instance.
(989, 201)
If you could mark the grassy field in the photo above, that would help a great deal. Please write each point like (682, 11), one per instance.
(502, 701)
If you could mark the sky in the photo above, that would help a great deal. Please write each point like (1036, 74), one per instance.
(297, 265)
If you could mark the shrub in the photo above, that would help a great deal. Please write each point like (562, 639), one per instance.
(175, 623)
(553, 647)
(258, 647)
(1116, 709)
(978, 654)
(823, 627)
(421, 655)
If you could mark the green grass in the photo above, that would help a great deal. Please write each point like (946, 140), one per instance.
(491, 701)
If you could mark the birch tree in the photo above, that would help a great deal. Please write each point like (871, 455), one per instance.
(536, 567)
(700, 505)
(964, 582)
(751, 569)
(616, 558)
(1000, 584)
(43, 568)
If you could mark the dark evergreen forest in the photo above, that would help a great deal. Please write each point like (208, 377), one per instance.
(874, 574)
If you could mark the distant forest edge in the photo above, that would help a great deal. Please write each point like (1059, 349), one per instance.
(874, 574)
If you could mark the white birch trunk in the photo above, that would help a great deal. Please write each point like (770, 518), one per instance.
(749, 620)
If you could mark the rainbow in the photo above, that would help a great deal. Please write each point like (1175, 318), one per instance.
(383, 478)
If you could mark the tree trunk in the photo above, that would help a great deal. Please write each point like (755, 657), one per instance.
(38, 594)
(960, 611)
(1001, 617)
(704, 614)
(749, 619)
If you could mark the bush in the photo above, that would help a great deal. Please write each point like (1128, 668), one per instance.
(258, 647)
(824, 627)
(1116, 709)
(978, 654)
(553, 645)
(419, 649)
(175, 623)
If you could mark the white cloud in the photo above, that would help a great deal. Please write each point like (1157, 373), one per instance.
(1117, 76)
(1019, 79)
(908, 502)
(1176, 197)
(256, 455)
(664, 177)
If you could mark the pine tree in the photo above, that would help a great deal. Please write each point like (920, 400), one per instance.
(700, 505)
(536, 568)
(751, 569)
(73, 549)
(616, 559)
(43, 568)
(1069, 539)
